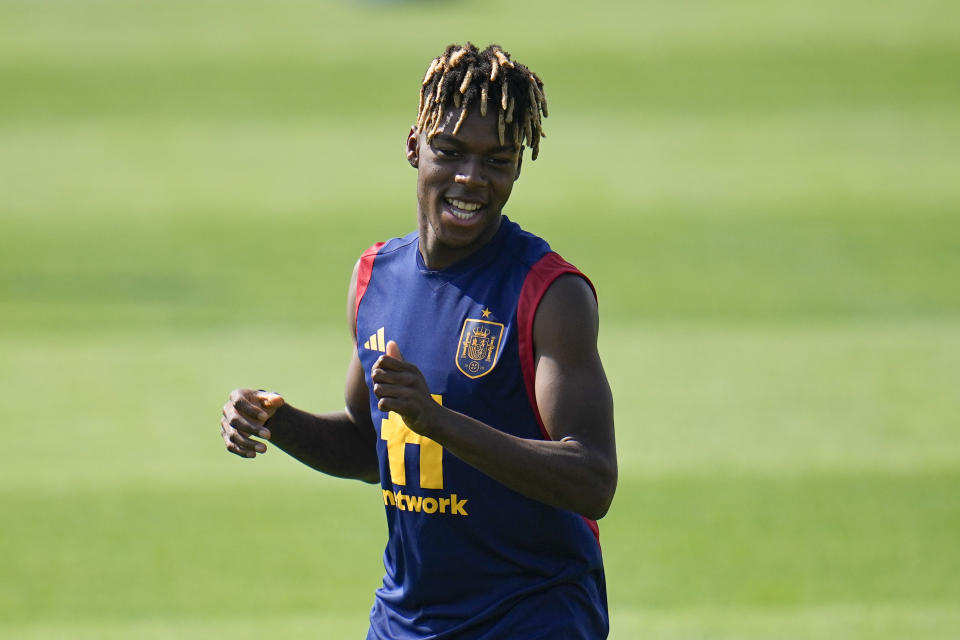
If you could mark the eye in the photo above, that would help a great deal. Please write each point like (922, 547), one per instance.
(446, 152)
(499, 161)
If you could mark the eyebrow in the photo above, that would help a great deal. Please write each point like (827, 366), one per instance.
(449, 139)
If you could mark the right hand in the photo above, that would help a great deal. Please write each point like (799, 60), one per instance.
(244, 416)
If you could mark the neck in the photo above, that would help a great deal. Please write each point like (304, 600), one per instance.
(438, 255)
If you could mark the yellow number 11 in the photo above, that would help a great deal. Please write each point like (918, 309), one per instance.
(397, 434)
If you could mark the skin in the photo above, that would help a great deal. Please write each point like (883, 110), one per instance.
(471, 166)
(576, 469)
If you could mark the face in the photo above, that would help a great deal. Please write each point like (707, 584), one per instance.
(463, 182)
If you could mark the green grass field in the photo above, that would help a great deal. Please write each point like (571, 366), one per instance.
(765, 194)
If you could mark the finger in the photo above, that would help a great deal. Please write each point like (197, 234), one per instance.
(246, 401)
(393, 350)
(237, 443)
(394, 387)
(252, 410)
(241, 423)
(244, 442)
(239, 451)
(389, 376)
(396, 405)
(388, 404)
(384, 390)
(270, 400)
(389, 362)
(230, 434)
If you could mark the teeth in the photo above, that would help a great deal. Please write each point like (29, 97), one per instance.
(465, 206)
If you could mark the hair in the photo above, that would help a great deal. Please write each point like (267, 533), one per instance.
(464, 76)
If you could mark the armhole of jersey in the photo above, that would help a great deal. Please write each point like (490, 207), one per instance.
(542, 274)
(364, 273)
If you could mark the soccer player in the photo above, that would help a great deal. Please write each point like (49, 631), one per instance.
(475, 395)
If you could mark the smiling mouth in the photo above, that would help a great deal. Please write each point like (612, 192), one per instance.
(462, 209)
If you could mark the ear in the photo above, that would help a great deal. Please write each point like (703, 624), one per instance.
(413, 147)
(519, 164)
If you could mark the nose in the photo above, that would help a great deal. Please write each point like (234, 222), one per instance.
(471, 173)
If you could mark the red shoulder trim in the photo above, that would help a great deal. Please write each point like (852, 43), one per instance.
(594, 527)
(364, 274)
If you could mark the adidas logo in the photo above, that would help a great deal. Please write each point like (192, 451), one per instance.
(376, 342)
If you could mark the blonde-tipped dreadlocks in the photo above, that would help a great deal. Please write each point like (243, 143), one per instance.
(461, 76)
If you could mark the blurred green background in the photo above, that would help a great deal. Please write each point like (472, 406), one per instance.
(766, 195)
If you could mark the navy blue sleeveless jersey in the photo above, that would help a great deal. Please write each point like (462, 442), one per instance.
(466, 556)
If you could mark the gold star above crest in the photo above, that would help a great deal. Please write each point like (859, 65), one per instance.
(485, 312)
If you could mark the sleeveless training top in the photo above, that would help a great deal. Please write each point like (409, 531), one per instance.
(467, 557)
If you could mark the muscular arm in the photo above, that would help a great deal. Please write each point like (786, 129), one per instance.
(577, 469)
(341, 444)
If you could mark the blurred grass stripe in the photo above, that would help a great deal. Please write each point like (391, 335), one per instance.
(764, 192)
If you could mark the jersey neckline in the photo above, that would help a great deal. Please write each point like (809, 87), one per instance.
(481, 256)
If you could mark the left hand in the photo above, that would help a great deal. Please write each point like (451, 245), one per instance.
(400, 387)
(243, 416)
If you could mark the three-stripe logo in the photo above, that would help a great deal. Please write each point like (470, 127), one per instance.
(376, 342)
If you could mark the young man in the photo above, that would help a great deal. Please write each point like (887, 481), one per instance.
(475, 395)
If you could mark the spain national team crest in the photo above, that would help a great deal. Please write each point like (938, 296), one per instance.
(479, 347)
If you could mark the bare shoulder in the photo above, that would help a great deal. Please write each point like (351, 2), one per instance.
(567, 314)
